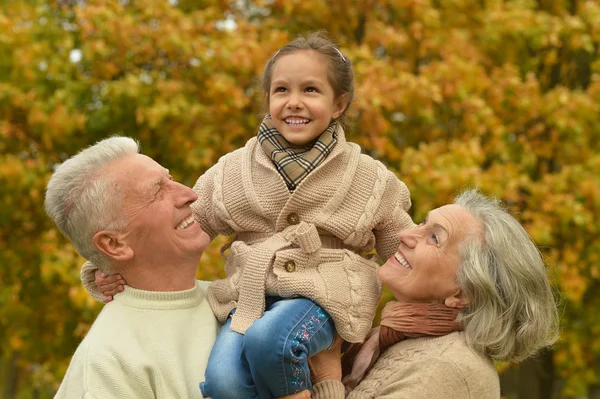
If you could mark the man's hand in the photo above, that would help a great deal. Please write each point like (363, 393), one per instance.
(109, 285)
(327, 365)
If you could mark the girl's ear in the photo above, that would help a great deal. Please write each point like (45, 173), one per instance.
(113, 245)
(340, 105)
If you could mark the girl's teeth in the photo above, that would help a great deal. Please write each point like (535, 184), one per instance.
(296, 122)
(402, 261)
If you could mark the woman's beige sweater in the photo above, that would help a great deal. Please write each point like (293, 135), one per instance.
(432, 367)
(308, 243)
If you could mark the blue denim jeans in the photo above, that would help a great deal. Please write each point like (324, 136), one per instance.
(270, 360)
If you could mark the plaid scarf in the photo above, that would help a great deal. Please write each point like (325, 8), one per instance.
(294, 164)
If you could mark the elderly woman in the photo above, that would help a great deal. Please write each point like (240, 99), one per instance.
(470, 286)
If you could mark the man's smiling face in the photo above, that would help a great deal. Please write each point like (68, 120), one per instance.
(160, 225)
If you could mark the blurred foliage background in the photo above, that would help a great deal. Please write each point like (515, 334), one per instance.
(499, 94)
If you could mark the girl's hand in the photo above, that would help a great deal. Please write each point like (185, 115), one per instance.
(327, 365)
(109, 285)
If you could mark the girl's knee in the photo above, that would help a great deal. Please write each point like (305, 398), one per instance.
(259, 341)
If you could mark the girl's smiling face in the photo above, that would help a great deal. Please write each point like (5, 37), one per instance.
(425, 266)
(302, 102)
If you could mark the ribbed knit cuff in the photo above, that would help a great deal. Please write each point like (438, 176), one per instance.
(330, 389)
(88, 278)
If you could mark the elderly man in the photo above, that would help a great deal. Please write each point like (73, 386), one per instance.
(123, 211)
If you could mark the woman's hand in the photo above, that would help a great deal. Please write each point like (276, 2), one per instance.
(324, 366)
(109, 285)
(327, 365)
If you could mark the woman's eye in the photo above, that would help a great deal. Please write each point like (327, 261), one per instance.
(434, 238)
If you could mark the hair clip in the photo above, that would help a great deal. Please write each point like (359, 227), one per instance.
(275, 55)
(340, 53)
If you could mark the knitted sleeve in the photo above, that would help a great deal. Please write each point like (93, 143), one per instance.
(434, 380)
(330, 389)
(394, 217)
(207, 207)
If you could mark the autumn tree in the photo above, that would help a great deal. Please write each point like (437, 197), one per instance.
(502, 95)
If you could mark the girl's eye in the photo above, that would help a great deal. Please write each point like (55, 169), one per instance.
(280, 89)
(311, 90)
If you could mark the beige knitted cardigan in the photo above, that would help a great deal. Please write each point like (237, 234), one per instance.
(308, 243)
(429, 367)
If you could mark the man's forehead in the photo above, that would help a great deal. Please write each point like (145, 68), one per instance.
(141, 173)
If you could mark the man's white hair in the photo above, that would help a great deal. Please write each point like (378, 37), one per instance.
(82, 200)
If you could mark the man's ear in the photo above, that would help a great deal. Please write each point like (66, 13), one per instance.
(113, 245)
(458, 300)
(340, 105)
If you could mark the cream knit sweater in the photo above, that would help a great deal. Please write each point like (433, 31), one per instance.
(144, 345)
(307, 243)
(432, 368)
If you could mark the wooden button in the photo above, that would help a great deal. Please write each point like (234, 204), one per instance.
(290, 266)
(293, 218)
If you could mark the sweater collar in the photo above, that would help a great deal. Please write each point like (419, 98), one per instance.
(160, 300)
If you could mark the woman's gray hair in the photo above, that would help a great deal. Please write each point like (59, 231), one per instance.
(82, 200)
(512, 312)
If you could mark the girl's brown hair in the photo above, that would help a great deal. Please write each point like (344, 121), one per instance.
(340, 74)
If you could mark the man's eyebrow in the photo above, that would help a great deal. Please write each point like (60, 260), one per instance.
(154, 183)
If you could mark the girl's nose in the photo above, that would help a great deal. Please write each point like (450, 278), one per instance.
(294, 102)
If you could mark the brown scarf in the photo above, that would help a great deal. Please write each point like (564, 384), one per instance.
(398, 321)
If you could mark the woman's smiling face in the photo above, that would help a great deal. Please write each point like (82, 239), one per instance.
(425, 266)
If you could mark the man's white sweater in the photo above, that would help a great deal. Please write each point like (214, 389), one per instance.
(144, 345)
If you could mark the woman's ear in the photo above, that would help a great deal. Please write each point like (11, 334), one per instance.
(458, 300)
(340, 105)
(113, 245)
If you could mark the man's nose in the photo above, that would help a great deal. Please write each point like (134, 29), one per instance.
(185, 196)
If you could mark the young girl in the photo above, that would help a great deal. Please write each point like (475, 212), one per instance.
(305, 207)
